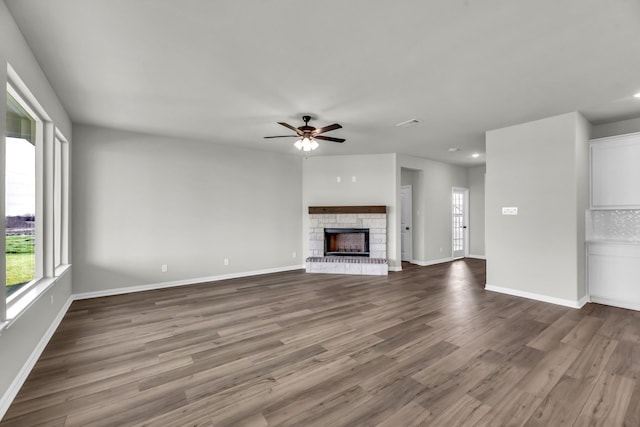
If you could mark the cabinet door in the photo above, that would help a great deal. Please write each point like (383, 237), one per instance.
(614, 274)
(615, 172)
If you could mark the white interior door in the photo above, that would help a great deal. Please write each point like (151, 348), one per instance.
(406, 226)
(460, 221)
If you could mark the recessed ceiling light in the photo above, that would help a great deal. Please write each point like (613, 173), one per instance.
(637, 95)
(453, 149)
(475, 155)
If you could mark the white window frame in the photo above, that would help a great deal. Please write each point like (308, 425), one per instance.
(46, 272)
(39, 146)
(61, 214)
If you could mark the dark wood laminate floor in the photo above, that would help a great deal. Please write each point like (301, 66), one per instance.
(423, 347)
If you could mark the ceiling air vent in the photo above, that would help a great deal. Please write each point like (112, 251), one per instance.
(408, 123)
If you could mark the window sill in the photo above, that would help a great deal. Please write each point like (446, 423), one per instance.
(22, 304)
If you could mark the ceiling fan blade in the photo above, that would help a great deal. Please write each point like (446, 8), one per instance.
(283, 136)
(326, 129)
(287, 125)
(328, 138)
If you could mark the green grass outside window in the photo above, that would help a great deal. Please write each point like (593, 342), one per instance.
(21, 259)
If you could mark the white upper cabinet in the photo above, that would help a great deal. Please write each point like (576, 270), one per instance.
(615, 172)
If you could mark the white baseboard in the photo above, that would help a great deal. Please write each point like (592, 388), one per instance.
(194, 281)
(477, 256)
(584, 301)
(18, 381)
(615, 302)
(395, 268)
(431, 262)
(537, 297)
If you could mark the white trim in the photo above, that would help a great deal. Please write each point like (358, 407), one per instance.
(431, 262)
(476, 256)
(18, 381)
(18, 86)
(615, 303)
(395, 268)
(194, 281)
(583, 301)
(537, 297)
(21, 305)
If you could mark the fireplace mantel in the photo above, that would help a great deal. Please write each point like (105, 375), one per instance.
(315, 210)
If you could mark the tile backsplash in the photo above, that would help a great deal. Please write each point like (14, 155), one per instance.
(618, 225)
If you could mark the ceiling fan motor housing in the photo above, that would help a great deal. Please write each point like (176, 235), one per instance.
(306, 128)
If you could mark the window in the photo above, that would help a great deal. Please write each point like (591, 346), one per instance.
(57, 201)
(60, 202)
(20, 197)
(36, 201)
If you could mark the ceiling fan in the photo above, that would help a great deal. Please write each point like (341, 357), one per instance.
(308, 134)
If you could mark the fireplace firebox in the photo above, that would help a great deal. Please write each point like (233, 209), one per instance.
(346, 242)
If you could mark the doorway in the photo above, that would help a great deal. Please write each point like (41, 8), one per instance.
(459, 222)
(406, 226)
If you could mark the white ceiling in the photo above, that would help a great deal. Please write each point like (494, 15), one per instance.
(228, 70)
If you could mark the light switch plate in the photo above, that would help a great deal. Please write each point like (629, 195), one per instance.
(510, 211)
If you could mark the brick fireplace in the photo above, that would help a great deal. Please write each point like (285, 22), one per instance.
(348, 240)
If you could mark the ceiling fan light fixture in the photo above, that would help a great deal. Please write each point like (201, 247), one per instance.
(306, 144)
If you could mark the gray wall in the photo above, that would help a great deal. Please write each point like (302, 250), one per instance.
(583, 132)
(539, 167)
(432, 215)
(19, 341)
(375, 185)
(616, 128)
(141, 201)
(476, 211)
(25, 335)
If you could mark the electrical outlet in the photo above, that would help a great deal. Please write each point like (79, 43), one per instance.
(293, 254)
(51, 299)
(226, 261)
(440, 250)
(338, 179)
(164, 268)
(353, 178)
